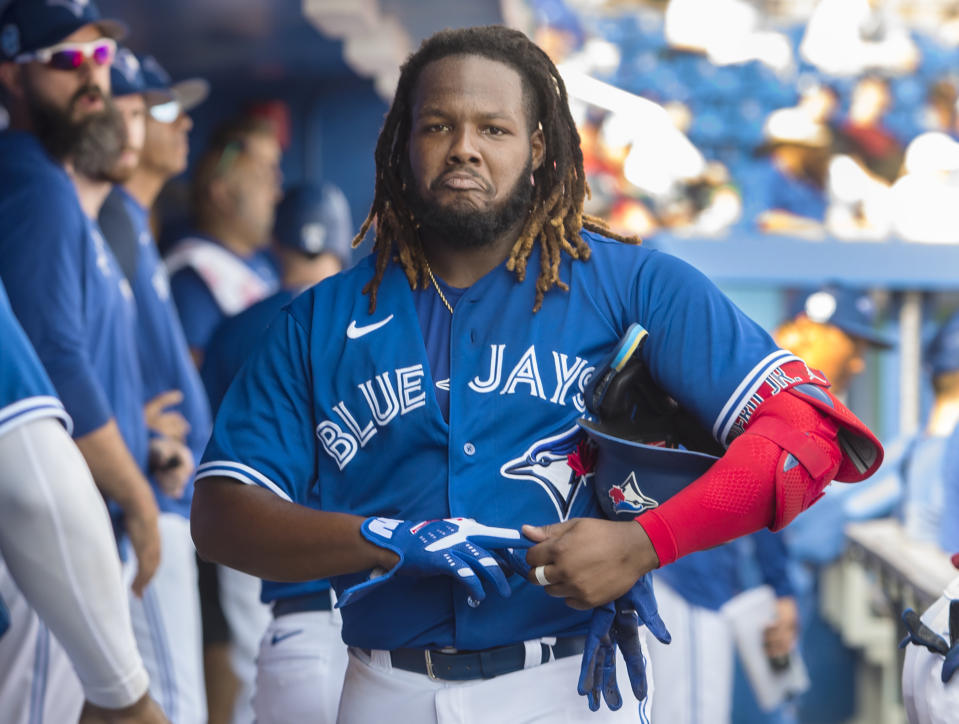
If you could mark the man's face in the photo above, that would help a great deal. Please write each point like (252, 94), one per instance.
(167, 145)
(255, 183)
(471, 152)
(824, 347)
(132, 109)
(75, 93)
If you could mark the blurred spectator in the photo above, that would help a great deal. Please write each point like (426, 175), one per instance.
(923, 486)
(167, 625)
(726, 31)
(787, 192)
(863, 135)
(925, 200)
(225, 268)
(215, 274)
(939, 111)
(831, 330)
(851, 37)
(63, 282)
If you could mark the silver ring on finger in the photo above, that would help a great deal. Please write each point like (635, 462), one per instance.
(540, 573)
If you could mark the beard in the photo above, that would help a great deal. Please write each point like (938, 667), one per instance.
(92, 143)
(471, 228)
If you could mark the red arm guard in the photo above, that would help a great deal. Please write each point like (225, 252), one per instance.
(795, 443)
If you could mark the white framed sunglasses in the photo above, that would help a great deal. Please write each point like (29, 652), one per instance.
(70, 56)
(166, 112)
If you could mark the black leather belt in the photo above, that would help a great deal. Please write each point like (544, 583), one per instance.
(297, 604)
(485, 664)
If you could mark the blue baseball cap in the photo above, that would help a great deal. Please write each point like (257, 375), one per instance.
(633, 477)
(160, 87)
(30, 25)
(314, 220)
(126, 78)
(851, 310)
(942, 354)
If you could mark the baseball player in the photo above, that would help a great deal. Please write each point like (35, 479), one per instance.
(301, 659)
(224, 267)
(52, 513)
(62, 280)
(403, 420)
(166, 620)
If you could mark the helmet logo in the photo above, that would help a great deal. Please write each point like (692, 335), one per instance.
(628, 498)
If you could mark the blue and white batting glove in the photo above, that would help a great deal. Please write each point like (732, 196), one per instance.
(455, 547)
(613, 626)
(918, 633)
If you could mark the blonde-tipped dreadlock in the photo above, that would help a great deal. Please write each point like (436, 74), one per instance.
(556, 216)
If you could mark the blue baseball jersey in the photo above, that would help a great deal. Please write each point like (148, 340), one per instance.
(337, 410)
(200, 310)
(72, 300)
(165, 360)
(26, 392)
(710, 578)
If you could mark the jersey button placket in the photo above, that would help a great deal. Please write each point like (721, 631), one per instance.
(469, 448)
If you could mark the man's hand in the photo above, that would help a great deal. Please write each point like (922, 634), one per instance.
(779, 637)
(168, 423)
(588, 561)
(171, 464)
(144, 711)
(141, 521)
(456, 547)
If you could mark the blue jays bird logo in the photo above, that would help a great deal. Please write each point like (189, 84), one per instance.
(545, 463)
(627, 497)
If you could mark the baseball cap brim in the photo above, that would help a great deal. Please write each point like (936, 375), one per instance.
(866, 334)
(191, 92)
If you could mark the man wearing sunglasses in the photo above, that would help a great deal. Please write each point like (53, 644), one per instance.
(167, 619)
(63, 282)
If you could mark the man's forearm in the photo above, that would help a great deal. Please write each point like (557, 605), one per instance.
(116, 473)
(253, 530)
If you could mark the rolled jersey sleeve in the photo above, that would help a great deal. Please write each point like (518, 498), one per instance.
(42, 265)
(264, 430)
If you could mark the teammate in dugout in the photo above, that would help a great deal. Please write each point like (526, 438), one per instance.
(439, 380)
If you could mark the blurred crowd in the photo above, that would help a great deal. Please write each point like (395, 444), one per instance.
(840, 122)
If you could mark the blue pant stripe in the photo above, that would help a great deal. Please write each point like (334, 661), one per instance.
(162, 652)
(41, 661)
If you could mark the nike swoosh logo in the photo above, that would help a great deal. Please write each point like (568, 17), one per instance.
(355, 332)
(277, 637)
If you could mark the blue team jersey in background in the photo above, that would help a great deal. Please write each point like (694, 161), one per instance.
(337, 410)
(165, 359)
(26, 392)
(199, 310)
(66, 290)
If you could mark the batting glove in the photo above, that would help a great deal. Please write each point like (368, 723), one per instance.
(615, 626)
(454, 547)
(918, 633)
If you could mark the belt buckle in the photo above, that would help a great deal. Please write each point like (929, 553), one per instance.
(429, 665)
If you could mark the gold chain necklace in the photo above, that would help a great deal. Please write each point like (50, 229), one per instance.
(437, 286)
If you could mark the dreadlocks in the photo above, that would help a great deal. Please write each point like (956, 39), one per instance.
(556, 216)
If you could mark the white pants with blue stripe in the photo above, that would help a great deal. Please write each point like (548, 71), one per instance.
(166, 624)
(37, 682)
(695, 671)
